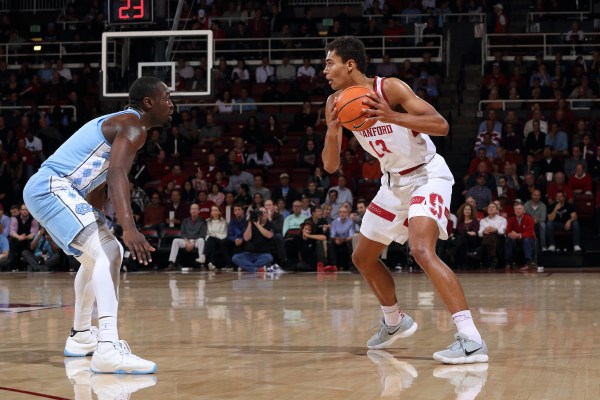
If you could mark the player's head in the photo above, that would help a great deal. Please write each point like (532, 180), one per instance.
(152, 96)
(346, 55)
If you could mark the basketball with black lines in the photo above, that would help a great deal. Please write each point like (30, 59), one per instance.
(350, 106)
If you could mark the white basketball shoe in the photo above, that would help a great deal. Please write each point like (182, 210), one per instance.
(81, 343)
(117, 358)
(111, 387)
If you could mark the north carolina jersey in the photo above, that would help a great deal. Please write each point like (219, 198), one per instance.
(83, 159)
(396, 147)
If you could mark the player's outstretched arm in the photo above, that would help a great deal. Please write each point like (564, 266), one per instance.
(420, 116)
(130, 137)
(333, 137)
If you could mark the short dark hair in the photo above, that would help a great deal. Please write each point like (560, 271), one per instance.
(145, 86)
(350, 48)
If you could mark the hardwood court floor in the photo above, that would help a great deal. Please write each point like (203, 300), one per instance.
(302, 336)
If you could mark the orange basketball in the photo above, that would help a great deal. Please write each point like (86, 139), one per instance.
(349, 105)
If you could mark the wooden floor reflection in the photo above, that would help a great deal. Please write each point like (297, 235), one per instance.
(302, 336)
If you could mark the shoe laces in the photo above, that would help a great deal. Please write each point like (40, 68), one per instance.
(124, 349)
(95, 332)
(459, 343)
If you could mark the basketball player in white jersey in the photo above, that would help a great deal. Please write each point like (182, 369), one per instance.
(413, 202)
(66, 196)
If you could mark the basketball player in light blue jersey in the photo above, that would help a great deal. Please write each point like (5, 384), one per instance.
(65, 196)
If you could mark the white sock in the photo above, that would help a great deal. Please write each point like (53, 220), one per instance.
(464, 324)
(108, 330)
(392, 314)
(84, 295)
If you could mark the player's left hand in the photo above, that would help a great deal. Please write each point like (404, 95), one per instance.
(378, 109)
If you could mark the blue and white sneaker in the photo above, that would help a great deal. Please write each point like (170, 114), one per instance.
(387, 335)
(463, 351)
(117, 358)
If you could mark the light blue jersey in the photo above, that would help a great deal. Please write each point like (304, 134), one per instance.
(55, 195)
(83, 159)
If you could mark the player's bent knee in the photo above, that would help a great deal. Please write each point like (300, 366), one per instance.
(421, 253)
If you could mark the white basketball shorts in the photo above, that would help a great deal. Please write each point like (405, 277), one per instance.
(425, 191)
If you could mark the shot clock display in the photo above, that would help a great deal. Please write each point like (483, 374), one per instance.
(130, 11)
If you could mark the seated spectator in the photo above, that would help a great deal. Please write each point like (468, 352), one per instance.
(225, 104)
(466, 240)
(495, 136)
(491, 230)
(488, 146)
(528, 187)
(537, 209)
(275, 131)
(587, 148)
(176, 145)
(188, 128)
(5, 222)
(576, 158)
(259, 187)
(340, 243)
(285, 191)
(559, 184)
(580, 182)
(535, 116)
(558, 140)
(235, 232)
(193, 234)
(511, 141)
(491, 124)
(282, 208)
(306, 71)
(562, 217)
(4, 251)
(475, 164)
(211, 132)
(308, 157)
(594, 165)
(304, 118)
(285, 71)
(258, 157)
(311, 249)
(175, 176)
(23, 229)
(480, 192)
(276, 219)
(291, 224)
(504, 190)
(387, 68)
(321, 178)
(535, 141)
(350, 169)
(334, 203)
(154, 213)
(314, 195)
(258, 201)
(264, 72)
(520, 232)
(357, 218)
(216, 235)
(238, 177)
(243, 196)
(43, 254)
(198, 181)
(249, 105)
(204, 204)
(574, 35)
(257, 237)
(216, 195)
(371, 170)
(549, 164)
(240, 73)
(188, 194)
(344, 194)
(176, 211)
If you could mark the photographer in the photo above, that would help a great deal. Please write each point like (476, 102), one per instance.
(43, 255)
(258, 237)
(311, 249)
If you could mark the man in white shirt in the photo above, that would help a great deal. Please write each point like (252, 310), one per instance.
(535, 116)
(264, 72)
(184, 70)
(306, 70)
(491, 229)
(63, 71)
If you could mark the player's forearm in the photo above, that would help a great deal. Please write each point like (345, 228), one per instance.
(331, 153)
(118, 187)
(433, 125)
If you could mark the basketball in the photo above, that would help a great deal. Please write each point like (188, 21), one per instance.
(349, 105)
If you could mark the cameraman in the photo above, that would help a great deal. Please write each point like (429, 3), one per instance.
(43, 255)
(258, 237)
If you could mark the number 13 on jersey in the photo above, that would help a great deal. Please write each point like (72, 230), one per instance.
(379, 147)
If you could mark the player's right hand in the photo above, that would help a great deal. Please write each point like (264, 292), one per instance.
(333, 122)
(138, 246)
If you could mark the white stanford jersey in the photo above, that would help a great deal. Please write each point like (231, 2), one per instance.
(396, 147)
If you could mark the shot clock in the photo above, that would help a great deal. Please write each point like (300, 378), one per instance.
(130, 11)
